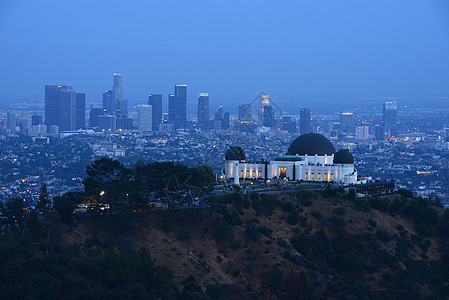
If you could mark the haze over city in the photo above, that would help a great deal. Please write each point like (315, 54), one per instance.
(292, 50)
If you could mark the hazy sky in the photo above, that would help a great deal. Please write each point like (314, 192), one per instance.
(231, 49)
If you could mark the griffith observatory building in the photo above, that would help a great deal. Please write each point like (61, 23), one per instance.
(310, 157)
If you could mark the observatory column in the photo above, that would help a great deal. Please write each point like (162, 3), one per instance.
(236, 174)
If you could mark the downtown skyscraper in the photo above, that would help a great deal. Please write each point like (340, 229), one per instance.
(60, 107)
(80, 114)
(305, 121)
(155, 100)
(177, 106)
(203, 110)
(121, 102)
(114, 101)
(390, 109)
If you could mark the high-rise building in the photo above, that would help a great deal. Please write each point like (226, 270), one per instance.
(109, 103)
(124, 122)
(225, 120)
(244, 112)
(107, 123)
(80, 111)
(11, 121)
(362, 133)
(268, 116)
(379, 133)
(220, 113)
(24, 126)
(177, 106)
(288, 124)
(264, 104)
(120, 101)
(155, 100)
(346, 121)
(68, 109)
(60, 107)
(390, 109)
(145, 117)
(95, 112)
(203, 111)
(36, 120)
(305, 121)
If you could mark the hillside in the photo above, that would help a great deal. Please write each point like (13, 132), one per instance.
(297, 245)
(304, 244)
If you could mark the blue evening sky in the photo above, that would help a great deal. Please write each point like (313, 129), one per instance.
(295, 49)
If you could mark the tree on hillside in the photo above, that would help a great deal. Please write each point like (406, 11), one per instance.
(43, 198)
(13, 213)
(64, 205)
(108, 180)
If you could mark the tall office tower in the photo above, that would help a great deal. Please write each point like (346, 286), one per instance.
(268, 116)
(155, 100)
(362, 133)
(25, 126)
(144, 117)
(264, 102)
(390, 118)
(95, 112)
(177, 106)
(220, 113)
(68, 109)
(120, 101)
(36, 120)
(244, 112)
(60, 107)
(203, 111)
(109, 103)
(346, 121)
(80, 111)
(11, 122)
(304, 121)
(124, 122)
(225, 120)
(288, 124)
(379, 133)
(107, 123)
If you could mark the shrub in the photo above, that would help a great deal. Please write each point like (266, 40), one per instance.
(287, 206)
(292, 218)
(317, 214)
(372, 222)
(337, 222)
(405, 193)
(425, 230)
(362, 204)
(339, 211)
(328, 193)
(351, 195)
(304, 198)
(383, 235)
(222, 230)
(264, 230)
(379, 203)
(282, 243)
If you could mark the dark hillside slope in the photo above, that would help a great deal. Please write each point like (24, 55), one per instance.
(299, 245)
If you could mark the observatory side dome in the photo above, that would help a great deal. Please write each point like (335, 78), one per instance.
(343, 156)
(235, 153)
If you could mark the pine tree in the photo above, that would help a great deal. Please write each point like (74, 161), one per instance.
(43, 198)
